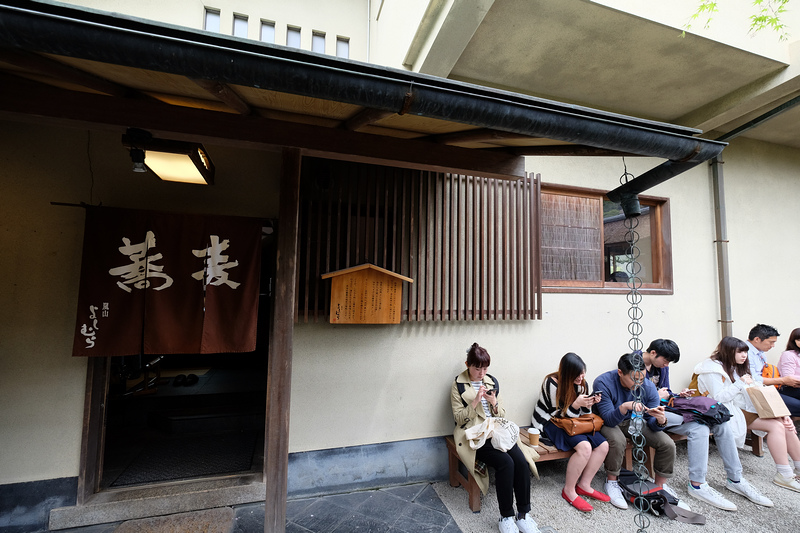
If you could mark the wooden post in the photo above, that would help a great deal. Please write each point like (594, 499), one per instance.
(279, 367)
(93, 437)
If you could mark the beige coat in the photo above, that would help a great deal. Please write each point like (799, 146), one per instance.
(467, 416)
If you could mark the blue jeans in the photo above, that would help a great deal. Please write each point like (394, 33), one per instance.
(697, 447)
(791, 397)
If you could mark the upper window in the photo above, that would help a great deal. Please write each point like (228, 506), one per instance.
(240, 26)
(343, 47)
(211, 22)
(318, 42)
(585, 243)
(293, 37)
(267, 31)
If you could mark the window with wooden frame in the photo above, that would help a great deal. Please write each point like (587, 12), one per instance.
(584, 245)
(469, 243)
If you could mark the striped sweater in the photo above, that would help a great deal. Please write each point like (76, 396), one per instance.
(546, 407)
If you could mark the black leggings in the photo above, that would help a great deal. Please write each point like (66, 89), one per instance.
(512, 477)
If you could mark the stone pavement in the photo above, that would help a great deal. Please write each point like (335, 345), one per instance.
(405, 509)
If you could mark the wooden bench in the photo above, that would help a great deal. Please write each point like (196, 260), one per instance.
(459, 474)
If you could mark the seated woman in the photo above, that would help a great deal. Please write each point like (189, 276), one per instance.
(725, 376)
(564, 394)
(474, 397)
(789, 367)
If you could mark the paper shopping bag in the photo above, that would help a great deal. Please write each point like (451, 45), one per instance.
(768, 402)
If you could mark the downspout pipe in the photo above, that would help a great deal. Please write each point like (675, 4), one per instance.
(721, 244)
(98, 36)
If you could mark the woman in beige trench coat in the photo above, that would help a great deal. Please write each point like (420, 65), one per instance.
(474, 397)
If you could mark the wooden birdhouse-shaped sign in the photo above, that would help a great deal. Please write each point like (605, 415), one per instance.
(366, 294)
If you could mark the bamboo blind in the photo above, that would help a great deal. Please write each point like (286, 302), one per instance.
(572, 238)
(469, 243)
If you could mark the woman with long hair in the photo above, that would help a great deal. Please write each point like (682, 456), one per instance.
(725, 376)
(789, 366)
(566, 394)
(475, 397)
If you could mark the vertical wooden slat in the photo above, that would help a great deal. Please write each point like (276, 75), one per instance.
(497, 243)
(444, 246)
(454, 264)
(476, 247)
(434, 225)
(348, 221)
(421, 258)
(279, 364)
(508, 270)
(317, 281)
(536, 243)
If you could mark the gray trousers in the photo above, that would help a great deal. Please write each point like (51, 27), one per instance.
(697, 447)
(617, 437)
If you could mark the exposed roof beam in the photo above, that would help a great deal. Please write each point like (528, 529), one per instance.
(24, 98)
(364, 117)
(226, 95)
(60, 71)
(566, 150)
(476, 135)
(58, 29)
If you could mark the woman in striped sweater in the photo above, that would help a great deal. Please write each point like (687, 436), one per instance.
(566, 394)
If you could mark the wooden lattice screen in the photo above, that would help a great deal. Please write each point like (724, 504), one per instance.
(470, 244)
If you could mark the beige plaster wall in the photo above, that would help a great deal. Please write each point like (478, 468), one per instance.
(41, 385)
(355, 385)
(342, 18)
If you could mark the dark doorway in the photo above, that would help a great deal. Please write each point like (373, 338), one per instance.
(178, 417)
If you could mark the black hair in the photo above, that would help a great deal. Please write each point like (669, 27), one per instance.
(666, 348)
(725, 353)
(477, 356)
(626, 363)
(763, 332)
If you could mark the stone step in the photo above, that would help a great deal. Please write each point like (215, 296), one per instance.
(159, 501)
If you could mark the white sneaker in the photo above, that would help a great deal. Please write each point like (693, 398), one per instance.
(682, 504)
(507, 525)
(615, 493)
(786, 482)
(748, 491)
(711, 496)
(527, 524)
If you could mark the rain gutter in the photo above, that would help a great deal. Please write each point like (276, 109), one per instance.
(59, 29)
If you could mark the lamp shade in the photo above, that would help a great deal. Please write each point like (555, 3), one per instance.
(180, 161)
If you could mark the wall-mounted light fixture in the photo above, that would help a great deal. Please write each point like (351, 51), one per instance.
(170, 160)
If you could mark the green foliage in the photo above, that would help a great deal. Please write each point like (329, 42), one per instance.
(767, 16)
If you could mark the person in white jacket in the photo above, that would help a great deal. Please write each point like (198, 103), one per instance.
(725, 376)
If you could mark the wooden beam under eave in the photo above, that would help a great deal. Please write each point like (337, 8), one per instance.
(365, 117)
(475, 135)
(567, 150)
(66, 73)
(33, 101)
(279, 365)
(225, 94)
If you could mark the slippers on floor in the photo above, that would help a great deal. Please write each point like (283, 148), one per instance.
(179, 380)
(191, 379)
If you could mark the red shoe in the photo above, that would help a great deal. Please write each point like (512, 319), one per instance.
(596, 494)
(578, 503)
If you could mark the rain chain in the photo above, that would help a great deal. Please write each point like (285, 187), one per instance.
(634, 268)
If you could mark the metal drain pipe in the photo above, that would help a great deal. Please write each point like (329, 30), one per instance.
(721, 242)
